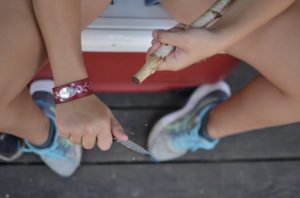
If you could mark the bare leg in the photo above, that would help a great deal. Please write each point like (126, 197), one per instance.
(273, 98)
(22, 53)
(178, 9)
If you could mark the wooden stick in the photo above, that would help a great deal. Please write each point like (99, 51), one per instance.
(150, 67)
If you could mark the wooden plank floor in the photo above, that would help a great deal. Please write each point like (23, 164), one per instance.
(260, 164)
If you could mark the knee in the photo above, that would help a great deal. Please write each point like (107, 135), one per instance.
(5, 122)
(292, 104)
(296, 99)
(10, 92)
(5, 97)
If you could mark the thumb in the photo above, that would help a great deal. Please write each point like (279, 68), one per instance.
(117, 130)
(174, 38)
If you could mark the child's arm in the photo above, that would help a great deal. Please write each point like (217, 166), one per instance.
(85, 119)
(239, 20)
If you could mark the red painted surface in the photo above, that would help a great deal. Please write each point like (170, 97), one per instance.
(112, 72)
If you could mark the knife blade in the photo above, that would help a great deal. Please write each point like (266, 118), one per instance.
(133, 146)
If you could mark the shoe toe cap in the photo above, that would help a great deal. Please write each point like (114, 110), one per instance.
(66, 167)
(162, 150)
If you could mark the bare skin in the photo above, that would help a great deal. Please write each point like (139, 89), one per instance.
(31, 23)
(277, 88)
(86, 120)
(264, 34)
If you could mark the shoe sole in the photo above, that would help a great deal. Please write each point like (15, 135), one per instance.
(63, 175)
(198, 94)
(15, 156)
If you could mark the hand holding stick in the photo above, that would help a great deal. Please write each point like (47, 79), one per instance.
(213, 13)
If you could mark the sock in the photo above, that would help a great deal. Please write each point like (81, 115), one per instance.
(203, 129)
(50, 139)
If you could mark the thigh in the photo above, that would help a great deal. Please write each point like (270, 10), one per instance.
(274, 50)
(186, 11)
(22, 50)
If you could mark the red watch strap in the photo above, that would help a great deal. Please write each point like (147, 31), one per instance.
(72, 91)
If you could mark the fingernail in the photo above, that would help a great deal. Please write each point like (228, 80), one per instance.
(119, 129)
(154, 33)
(125, 137)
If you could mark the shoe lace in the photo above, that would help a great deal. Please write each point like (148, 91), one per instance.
(191, 139)
(57, 151)
(188, 140)
(178, 127)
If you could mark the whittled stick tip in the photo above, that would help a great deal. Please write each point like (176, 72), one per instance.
(135, 80)
(149, 68)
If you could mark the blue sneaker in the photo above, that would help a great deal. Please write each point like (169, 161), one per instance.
(179, 132)
(10, 147)
(61, 156)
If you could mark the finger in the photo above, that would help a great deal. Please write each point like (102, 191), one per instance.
(176, 29)
(174, 61)
(89, 141)
(182, 26)
(117, 130)
(154, 33)
(154, 41)
(104, 137)
(164, 67)
(75, 139)
(65, 135)
(179, 27)
(152, 50)
(171, 38)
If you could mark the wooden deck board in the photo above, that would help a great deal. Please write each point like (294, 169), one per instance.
(272, 143)
(260, 164)
(209, 180)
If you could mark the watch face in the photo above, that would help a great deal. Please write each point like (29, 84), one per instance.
(67, 92)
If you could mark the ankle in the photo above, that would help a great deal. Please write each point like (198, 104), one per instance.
(212, 128)
(42, 137)
(51, 136)
(214, 131)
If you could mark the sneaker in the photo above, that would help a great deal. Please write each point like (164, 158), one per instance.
(179, 132)
(61, 156)
(10, 147)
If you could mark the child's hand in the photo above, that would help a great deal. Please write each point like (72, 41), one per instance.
(88, 121)
(191, 44)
